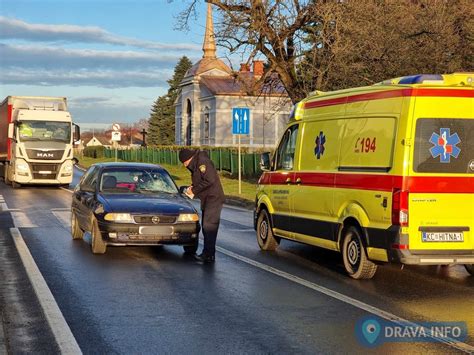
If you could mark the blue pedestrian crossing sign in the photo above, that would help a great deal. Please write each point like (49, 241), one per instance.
(240, 120)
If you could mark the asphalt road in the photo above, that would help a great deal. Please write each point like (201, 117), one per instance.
(157, 300)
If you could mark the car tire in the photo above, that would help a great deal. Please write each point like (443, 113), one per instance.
(191, 249)
(76, 231)
(354, 255)
(265, 237)
(98, 245)
(469, 268)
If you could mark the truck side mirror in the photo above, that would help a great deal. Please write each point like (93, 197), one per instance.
(265, 164)
(77, 133)
(11, 130)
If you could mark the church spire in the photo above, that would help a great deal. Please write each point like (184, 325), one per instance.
(209, 45)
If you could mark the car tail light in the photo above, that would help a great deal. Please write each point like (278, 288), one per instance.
(400, 208)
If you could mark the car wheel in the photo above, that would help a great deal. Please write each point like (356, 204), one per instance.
(76, 231)
(355, 258)
(191, 249)
(98, 245)
(469, 268)
(265, 237)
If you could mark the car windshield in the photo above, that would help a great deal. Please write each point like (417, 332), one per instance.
(44, 131)
(137, 180)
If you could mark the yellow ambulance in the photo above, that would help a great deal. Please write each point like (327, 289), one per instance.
(383, 173)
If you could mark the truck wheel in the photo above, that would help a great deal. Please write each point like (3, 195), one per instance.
(98, 245)
(265, 237)
(191, 249)
(355, 258)
(469, 268)
(16, 185)
(76, 231)
(5, 174)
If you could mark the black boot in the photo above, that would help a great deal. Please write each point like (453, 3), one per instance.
(205, 258)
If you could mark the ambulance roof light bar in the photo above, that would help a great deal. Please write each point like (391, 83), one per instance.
(420, 79)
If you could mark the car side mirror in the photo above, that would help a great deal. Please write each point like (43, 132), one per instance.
(86, 188)
(265, 164)
(182, 189)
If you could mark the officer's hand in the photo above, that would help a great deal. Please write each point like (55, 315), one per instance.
(189, 192)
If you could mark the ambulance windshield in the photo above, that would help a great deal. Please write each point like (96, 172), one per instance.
(444, 145)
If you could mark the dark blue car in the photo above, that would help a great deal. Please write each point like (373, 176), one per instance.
(132, 204)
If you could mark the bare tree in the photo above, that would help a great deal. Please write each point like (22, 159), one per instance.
(330, 44)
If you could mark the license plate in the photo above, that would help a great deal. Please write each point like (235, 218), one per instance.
(45, 172)
(443, 236)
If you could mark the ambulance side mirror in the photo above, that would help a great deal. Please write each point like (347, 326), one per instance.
(265, 161)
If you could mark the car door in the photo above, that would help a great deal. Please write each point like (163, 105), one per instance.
(84, 198)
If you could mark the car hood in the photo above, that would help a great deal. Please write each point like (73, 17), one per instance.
(146, 203)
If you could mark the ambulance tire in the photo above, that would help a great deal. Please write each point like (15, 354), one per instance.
(469, 268)
(265, 237)
(98, 245)
(354, 255)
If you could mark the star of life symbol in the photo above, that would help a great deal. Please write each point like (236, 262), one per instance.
(445, 145)
(320, 141)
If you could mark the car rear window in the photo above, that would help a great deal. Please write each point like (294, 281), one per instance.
(444, 145)
(131, 180)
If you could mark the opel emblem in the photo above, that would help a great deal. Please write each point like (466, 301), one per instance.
(155, 219)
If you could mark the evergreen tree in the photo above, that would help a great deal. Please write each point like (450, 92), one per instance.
(162, 118)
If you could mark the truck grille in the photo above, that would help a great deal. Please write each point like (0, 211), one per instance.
(45, 171)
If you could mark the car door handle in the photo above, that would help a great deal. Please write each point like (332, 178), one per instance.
(298, 181)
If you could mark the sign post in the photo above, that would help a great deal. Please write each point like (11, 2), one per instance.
(240, 125)
(116, 136)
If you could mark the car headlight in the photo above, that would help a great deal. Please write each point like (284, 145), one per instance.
(22, 167)
(188, 217)
(119, 217)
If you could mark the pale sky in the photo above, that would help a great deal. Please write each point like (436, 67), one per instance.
(110, 58)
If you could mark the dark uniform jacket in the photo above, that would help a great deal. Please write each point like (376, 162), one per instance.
(206, 182)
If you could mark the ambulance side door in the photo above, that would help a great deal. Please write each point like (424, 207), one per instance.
(282, 181)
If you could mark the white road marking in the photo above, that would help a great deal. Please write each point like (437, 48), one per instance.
(346, 299)
(62, 333)
(63, 216)
(21, 220)
(65, 189)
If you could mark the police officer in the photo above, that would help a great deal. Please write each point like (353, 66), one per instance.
(206, 185)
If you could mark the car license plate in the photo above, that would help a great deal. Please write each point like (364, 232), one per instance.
(443, 236)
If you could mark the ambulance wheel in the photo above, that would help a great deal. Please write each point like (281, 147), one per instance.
(265, 238)
(76, 232)
(98, 245)
(469, 268)
(354, 255)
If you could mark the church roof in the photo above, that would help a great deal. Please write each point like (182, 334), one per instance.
(233, 86)
(207, 64)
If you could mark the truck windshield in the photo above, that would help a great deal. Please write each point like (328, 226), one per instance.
(44, 131)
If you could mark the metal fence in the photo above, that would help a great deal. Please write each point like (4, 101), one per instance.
(223, 159)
